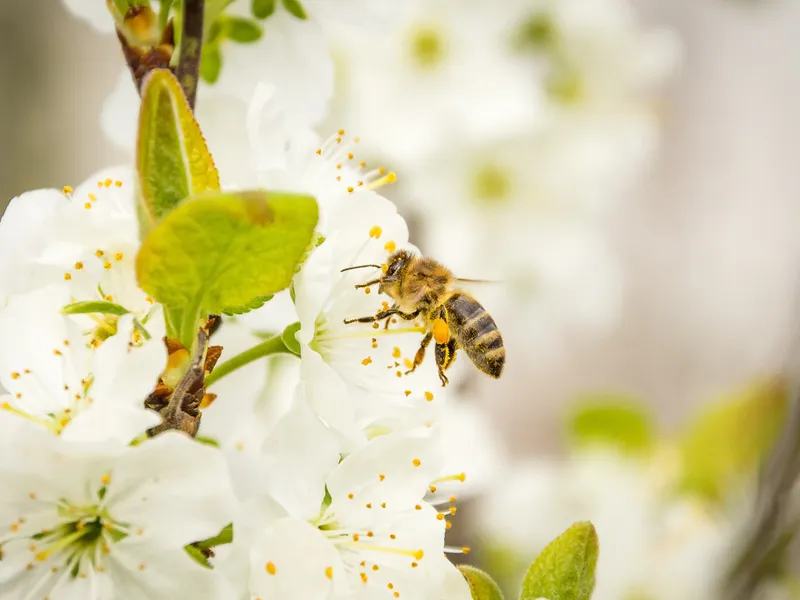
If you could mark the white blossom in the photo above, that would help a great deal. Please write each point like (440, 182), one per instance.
(86, 237)
(359, 528)
(99, 521)
(56, 381)
(434, 78)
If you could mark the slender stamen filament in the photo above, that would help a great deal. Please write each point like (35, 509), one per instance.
(385, 180)
(416, 554)
(378, 333)
(457, 477)
(63, 543)
(39, 421)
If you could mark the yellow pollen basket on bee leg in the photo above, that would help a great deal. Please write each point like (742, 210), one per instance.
(441, 331)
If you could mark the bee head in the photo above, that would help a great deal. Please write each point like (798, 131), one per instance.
(396, 264)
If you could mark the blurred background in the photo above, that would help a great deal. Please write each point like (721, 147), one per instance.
(640, 208)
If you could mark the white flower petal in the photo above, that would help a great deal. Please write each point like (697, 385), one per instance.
(395, 469)
(292, 560)
(297, 469)
(288, 46)
(188, 498)
(120, 423)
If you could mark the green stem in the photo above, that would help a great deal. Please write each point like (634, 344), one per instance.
(273, 345)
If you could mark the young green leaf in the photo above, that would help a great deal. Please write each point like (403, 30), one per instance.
(262, 9)
(94, 306)
(565, 569)
(210, 63)
(726, 443)
(221, 251)
(197, 555)
(223, 537)
(240, 30)
(172, 158)
(481, 585)
(612, 421)
(295, 8)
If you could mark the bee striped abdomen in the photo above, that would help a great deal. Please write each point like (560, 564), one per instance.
(477, 333)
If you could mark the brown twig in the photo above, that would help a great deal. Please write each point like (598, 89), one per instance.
(182, 412)
(771, 522)
(188, 69)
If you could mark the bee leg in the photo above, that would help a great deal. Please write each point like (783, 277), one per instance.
(445, 355)
(420, 355)
(388, 321)
(367, 284)
(385, 314)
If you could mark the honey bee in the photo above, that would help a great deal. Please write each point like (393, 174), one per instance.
(424, 288)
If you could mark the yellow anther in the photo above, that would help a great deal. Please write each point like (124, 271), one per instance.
(366, 361)
(407, 393)
(106, 265)
(428, 396)
(98, 253)
(92, 197)
(270, 567)
(66, 189)
(390, 247)
(375, 232)
(108, 182)
(118, 183)
(329, 572)
(106, 479)
(87, 205)
(78, 265)
(118, 256)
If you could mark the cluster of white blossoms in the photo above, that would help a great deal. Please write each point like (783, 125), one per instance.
(320, 475)
(331, 472)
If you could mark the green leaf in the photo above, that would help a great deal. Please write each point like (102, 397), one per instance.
(481, 585)
(294, 7)
(94, 306)
(223, 537)
(565, 569)
(725, 444)
(614, 421)
(257, 302)
(172, 158)
(197, 555)
(224, 250)
(210, 63)
(262, 9)
(241, 30)
(289, 339)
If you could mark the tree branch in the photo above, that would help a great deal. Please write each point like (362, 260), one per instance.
(768, 531)
(188, 70)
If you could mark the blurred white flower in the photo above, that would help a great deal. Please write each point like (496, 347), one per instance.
(652, 543)
(595, 56)
(332, 529)
(444, 72)
(98, 521)
(56, 381)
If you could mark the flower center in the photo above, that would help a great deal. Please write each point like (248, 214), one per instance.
(538, 33)
(427, 47)
(491, 185)
(83, 534)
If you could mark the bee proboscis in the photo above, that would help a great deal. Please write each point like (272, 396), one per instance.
(424, 288)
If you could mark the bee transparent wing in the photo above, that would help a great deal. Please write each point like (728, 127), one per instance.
(490, 281)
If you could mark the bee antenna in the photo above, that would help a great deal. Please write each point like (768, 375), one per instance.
(360, 267)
